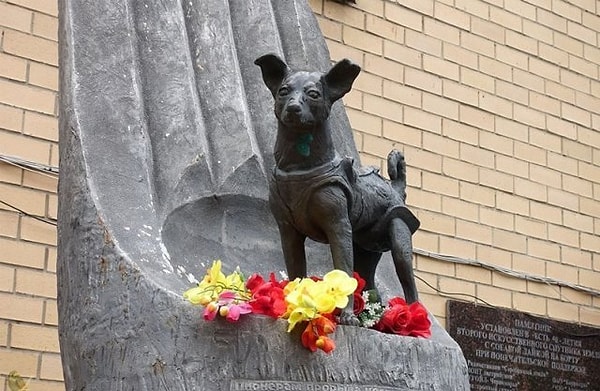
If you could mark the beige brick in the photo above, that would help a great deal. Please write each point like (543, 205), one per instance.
(377, 146)
(434, 222)
(587, 102)
(12, 67)
(477, 44)
(477, 194)
(426, 241)
(30, 201)
(512, 57)
(546, 290)
(383, 28)
(497, 143)
(37, 231)
(43, 75)
(430, 281)
(497, 219)
(423, 43)
(561, 127)
(496, 180)
(54, 155)
(511, 129)
(529, 116)
(369, 83)
(562, 272)
(511, 283)
(562, 163)
(21, 308)
(31, 47)
(589, 171)
(15, 17)
(26, 362)
(575, 114)
(11, 118)
(568, 44)
(339, 51)
(476, 117)
(590, 242)
(9, 223)
(460, 131)
(561, 310)
(495, 256)
(577, 185)
(422, 120)
(566, 10)
(528, 80)
(521, 8)
(528, 264)
(421, 6)
(591, 53)
(403, 16)
(488, 30)
(3, 334)
(441, 106)
(402, 93)
(591, 19)
(384, 67)
(589, 137)
(51, 313)
(477, 156)
(425, 199)
(578, 221)
(545, 176)
(46, 385)
(52, 211)
(45, 26)
(362, 40)
(46, 6)
(434, 266)
(543, 249)
(553, 55)
(474, 273)
(451, 16)
(462, 209)
(439, 30)
(22, 253)
(473, 231)
(477, 80)
(7, 278)
(508, 19)
(531, 227)
(530, 153)
(563, 235)
(383, 107)
(457, 54)
(365, 122)
(51, 368)
(458, 169)
(589, 315)
(36, 283)
(509, 240)
(450, 245)
(529, 303)
(495, 68)
(496, 105)
(402, 134)
(459, 92)
(316, 6)
(441, 67)
(330, 29)
(583, 67)
(423, 80)
(354, 100)
(563, 199)
(51, 260)
(512, 92)
(41, 126)
(349, 15)
(555, 22)
(440, 184)
(29, 337)
(512, 166)
(456, 287)
(27, 97)
(402, 54)
(495, 296)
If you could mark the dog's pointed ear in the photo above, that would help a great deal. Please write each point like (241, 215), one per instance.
(274, 70)
(340, 77)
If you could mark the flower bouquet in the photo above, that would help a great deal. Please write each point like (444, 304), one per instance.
(311, 302)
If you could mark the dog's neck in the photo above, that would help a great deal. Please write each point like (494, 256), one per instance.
(303, 149)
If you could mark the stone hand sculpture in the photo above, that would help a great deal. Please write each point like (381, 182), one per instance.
(316, 194)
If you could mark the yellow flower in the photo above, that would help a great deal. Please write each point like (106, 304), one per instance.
(209, 288)
(339, 286)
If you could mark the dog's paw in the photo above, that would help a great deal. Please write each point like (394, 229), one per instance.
(348, 318)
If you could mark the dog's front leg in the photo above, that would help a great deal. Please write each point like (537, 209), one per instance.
(292, 244)
(329, 210)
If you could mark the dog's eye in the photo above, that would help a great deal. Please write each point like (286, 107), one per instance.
(283, 91)
(314, 94)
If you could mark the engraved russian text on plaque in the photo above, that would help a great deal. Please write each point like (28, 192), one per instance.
(509, 350)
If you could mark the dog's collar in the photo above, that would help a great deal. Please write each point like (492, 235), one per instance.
(308, 174)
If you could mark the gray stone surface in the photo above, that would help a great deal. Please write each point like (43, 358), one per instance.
(166, 139)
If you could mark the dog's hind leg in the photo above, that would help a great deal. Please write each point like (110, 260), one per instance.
(365, 264)
(401, 247)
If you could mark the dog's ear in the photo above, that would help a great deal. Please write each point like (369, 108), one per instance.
(274, 70)
(339, 79)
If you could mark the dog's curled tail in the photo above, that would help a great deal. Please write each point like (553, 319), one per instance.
(397, 172)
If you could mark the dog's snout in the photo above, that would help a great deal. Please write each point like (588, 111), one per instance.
(294, 106)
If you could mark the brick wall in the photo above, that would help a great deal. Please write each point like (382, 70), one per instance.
(28, 130)
(494, 103)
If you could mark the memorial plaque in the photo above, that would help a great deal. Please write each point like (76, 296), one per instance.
(280, 385)
(510, 350)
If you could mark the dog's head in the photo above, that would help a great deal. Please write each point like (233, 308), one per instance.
(303, 99)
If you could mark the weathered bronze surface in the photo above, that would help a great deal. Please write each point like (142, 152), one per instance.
(315, 193)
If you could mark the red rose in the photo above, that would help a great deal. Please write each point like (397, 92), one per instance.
(395, 318)
(419, 325)
(359, 303)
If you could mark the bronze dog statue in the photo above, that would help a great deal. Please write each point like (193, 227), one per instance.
(314, 193)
